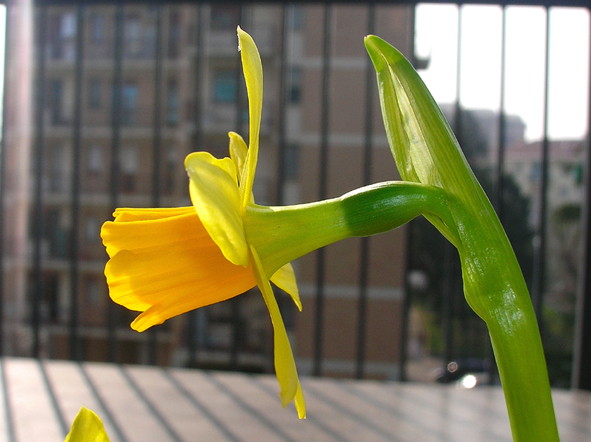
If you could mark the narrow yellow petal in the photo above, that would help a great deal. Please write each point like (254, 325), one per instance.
(285, 279)
(238, 153)
(285, 367)
(166, 267)
(216, 198)
(253, 75)
(300, 402)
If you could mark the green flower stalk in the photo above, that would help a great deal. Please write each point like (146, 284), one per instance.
(427, 152)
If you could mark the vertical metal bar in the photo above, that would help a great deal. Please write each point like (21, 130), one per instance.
(192, 329)
(450, 257)
(499, 179)
(367, 159)
(236, 301)
(581, 371)
(3, 186)
(406, 305)
(157, 133)
(112, 312)
(283, 99)
(38, 219)
(502, 142)
(323, 190)
(406, 295)
(75, 191)
(539, 276)
(457, 121)
(156, 151)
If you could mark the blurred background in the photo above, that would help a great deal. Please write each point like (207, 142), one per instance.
(103, 100)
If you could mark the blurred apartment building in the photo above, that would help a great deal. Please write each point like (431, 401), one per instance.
(154, 85)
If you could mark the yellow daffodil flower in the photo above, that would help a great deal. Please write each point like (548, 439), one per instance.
(165, 262)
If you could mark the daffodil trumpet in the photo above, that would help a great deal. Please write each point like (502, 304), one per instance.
(426, 151)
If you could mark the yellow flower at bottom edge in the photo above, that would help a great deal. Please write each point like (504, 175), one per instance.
(165, 262)
(87, 427)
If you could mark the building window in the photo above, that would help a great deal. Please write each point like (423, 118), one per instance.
(172, 103)
(94, 93)
(174, 35)
(62, 36)
(92, 228)
(132, 32)
(170, 170)
(297, 18)
(129, 99)
(224, 18)
(55, 101)
(295, 85)
(225, 86)
(93, 290)
(95, 159)
(292, 161)
(59, 173)
(128, 165)
(97, 28)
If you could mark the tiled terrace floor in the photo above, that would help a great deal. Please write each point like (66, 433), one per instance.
(145, 404)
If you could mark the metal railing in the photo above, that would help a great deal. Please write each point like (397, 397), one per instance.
(145, 47)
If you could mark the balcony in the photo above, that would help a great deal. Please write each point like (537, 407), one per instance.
(383, 310)
(148, 404)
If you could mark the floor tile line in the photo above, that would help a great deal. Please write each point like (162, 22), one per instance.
(200, 406)
(151, 407)
(105, 408)
(7, 405)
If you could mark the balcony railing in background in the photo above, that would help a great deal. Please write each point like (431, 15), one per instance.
(124, 90)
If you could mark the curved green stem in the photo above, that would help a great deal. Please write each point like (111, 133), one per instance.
(495, 289)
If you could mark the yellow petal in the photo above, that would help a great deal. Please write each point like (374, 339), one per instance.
(169, 266)
(238, 153)
(133, 214)
(87, 427)
(253, 75)
(285, 367)
(216, 198)
(117, 237)
(300, 402)
(285, 279)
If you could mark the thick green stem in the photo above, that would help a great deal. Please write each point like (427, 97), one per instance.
(494, 287)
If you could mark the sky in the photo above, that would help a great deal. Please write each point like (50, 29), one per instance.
(525, 62)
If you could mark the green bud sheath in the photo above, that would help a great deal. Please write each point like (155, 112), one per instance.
(427, 152)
